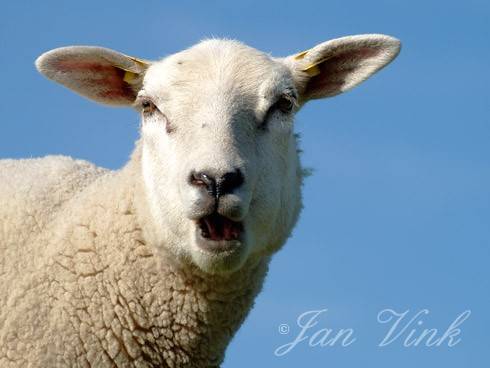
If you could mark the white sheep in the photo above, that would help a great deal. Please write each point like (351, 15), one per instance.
(158, 264)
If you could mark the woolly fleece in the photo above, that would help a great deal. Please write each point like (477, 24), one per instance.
(70, 300)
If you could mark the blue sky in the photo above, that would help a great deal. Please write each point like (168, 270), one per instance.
(397, 212)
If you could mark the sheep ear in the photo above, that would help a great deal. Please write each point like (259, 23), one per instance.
(100, 74)
(338, 65)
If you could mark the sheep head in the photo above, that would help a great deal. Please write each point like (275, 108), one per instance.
(219, 157)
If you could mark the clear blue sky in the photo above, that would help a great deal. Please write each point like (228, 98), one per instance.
(397, 213)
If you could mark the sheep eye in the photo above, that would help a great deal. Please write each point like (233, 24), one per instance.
(285, 104)
(148, 107)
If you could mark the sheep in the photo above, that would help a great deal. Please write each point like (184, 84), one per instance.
(157, 264)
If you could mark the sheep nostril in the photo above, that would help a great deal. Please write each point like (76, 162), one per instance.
(203, 179)
(230, 181)
(225, 184)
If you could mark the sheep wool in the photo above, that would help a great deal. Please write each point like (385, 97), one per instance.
(83, 303)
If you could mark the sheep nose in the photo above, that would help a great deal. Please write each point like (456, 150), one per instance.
(220, 186)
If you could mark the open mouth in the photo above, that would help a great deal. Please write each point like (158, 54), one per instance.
(218, 228)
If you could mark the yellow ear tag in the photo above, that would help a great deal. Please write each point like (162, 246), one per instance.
(301, 55)
(145, 64)
(312, 69)
(129, 76)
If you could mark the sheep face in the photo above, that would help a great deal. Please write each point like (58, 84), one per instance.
(219, 155)
(219, 158)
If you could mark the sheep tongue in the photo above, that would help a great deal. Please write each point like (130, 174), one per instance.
(221, 228)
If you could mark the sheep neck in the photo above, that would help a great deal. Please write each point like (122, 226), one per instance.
(192, 315)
